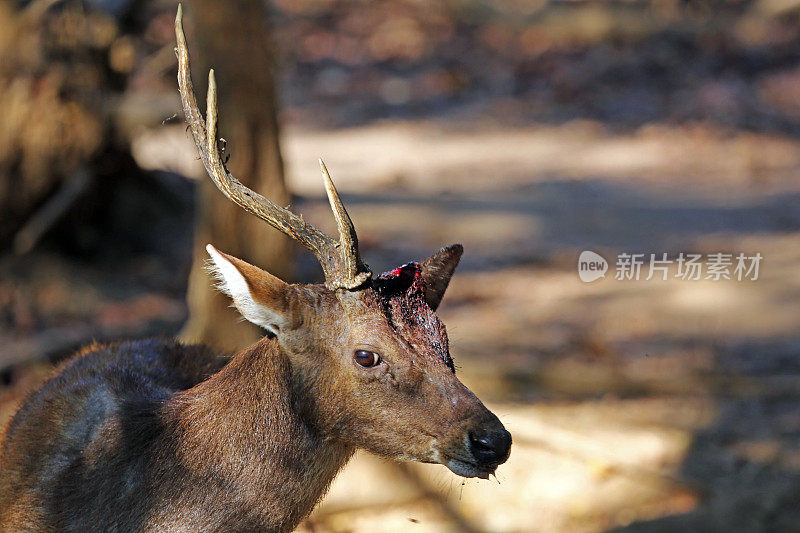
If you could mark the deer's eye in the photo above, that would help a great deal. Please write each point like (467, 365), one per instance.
(366, 358)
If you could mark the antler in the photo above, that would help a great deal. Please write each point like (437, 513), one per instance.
(340, 260)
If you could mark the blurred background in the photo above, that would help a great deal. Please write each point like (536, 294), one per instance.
(529, 131)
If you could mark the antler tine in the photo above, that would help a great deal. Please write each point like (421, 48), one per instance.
(348, 239)
(190, 109)
(339, 260)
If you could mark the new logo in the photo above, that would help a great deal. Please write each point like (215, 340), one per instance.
(591, 266)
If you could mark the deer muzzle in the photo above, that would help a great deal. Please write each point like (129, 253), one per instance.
(484, 447)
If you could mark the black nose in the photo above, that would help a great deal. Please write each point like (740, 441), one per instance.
(490, 447)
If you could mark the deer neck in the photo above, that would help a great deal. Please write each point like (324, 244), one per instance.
(249, 427)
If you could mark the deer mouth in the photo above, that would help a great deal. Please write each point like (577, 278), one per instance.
(469, 469)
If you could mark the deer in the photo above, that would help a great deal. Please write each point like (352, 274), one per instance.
(154, 435)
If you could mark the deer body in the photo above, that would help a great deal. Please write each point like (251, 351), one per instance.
(146, 429)
(156, 436)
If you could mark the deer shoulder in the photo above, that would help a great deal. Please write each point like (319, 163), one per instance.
(63, 446)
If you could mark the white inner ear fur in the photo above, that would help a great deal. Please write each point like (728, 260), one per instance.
(231, 282)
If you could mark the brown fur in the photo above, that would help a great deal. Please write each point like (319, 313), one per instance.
(156, 436)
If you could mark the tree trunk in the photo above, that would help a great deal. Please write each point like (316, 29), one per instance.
(232, 36)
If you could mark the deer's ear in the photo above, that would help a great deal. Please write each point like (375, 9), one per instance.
(437, 271)
(258, 295)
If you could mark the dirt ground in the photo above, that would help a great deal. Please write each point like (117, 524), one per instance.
(634, 405)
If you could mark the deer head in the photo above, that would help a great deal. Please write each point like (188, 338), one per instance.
(369, 356)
